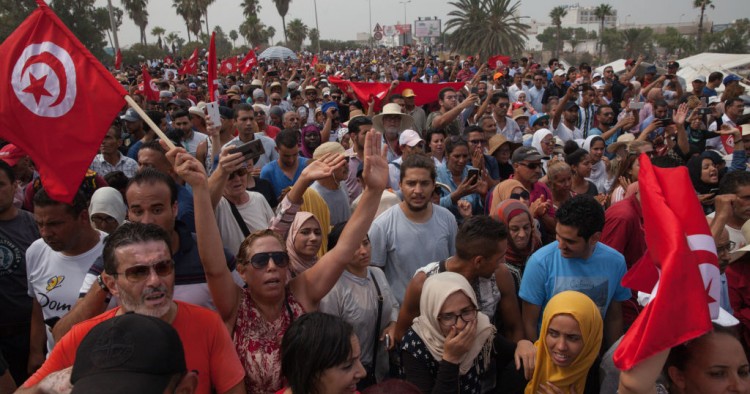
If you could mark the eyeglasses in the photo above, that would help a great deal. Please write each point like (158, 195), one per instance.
(450, 319)
(550, 141)
(522, 195)
(728, 247)
(531, 166)
(239, 173)
(335, 97)
(99, 220)
(138, 273)
(477, 142)
(260, 260)
(275, 100)
(504, 105)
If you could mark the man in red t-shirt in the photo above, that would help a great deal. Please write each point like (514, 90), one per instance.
(139, 271)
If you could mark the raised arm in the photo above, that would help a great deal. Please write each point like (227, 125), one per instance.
(228, 163)
(641, 379)
(444, 119)
(312, 285)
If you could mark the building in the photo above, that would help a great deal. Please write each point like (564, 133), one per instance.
(586, 17)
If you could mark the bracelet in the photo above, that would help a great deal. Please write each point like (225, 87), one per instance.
(101, 283)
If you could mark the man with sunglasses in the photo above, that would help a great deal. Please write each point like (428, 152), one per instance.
(536, 92)
(609, 128)
(527, 169)
(139, 270)
(505, 125)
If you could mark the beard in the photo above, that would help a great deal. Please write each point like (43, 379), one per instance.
(137, 304)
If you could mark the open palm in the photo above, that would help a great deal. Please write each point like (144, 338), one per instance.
(375, 171)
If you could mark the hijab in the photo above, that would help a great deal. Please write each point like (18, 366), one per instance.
(589, 319)
(305, 151)
(436, 289)
(502, 192)
(506, 211)
(312, 202)
(298, 263)
(536, 142)
(695, 167)
(599, 169)
(108, 200)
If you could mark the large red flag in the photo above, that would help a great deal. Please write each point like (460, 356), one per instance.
(57, 100)
(228, 66)
(248, 62)
(314, 60)
(150, 90)
(424, 92)
(190, 66)
(118, 60)
(212, 68)
(498, 61)
(168, 60)
(680, 269)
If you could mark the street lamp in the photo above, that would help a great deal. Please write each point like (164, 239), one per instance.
(405, 3)
(315, 2)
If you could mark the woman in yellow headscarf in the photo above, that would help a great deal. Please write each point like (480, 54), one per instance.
(568, 344)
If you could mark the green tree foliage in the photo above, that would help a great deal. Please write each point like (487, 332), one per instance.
(191, 14)
(282, 6)
(223, 46)
(314, 37)
(486, 27)
(734, 39)
(337, 45)
(602, 12)
(136, 10)
(80, 17)
(702, 5)
(255, 32)
(556, 15)
(296, 33)
(250, 7)
(101, 16)
(674, 43)
(233, 36)
(138, 53)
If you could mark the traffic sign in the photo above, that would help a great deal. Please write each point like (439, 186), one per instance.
(377, 36)
(378, 29)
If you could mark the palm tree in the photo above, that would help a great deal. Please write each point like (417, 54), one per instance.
(702, 4)
(171, 39)
(253, 30)
(486, 27)
(602, 12)
(268, 34)
(136, 10)
(297, 32)
(233, 36)
(283, 7)
(636, 41)
(191, 14)
(556, 15)
(314, 37)
(158, 32)
(203, 7)
(250, 7)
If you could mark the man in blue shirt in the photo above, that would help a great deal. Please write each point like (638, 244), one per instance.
(576, 261)
(284, 171)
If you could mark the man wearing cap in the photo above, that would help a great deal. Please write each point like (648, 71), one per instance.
(23, 170)
(417, 113)
(609, 128)
(332, 189)
(110, 159)
(536, 92)
(247, 128)
(714, 81)
(539, 121)
(140, 272)
(698, 84)
(557, 87)
(568, 110)
(410, 143)
(391, 122)
(136, 128)
(527, 169)
(311, 103)
(198, 117)
(730, 80)
(165, 96)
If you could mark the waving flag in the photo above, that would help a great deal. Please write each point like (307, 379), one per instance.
(680, 269)
(424, 92)
(118, 60)
(56, 101)
(248, 62)
(190, 66)
(150, 90)
(228, 66)
(498, 61)
(168, 61)
(212, 68)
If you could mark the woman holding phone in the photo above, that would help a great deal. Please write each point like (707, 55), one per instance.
(466, 183)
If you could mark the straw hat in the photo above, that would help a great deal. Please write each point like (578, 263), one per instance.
(407, 122)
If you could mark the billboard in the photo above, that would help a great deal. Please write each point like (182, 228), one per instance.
(427, 28)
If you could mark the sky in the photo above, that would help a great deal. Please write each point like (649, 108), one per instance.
(343, 19)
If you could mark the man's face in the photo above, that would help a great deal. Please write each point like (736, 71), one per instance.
(449, 101)
(572, 245)
(149, 158)
(741, 206)
(517, 79)
(291, 120)
(110, 142)
(698, 87)
(133, 126)
(477, 141)
(298, 100)
(275, 99)
(7, 191)
(571, 115)
(59, 228)
(501, 108)
(735, 110)
(150, 203)
(559, 79)
(609, 74)
(606, 117)
(488, 126)
(311, 95)
(183, 93)
(360, 137)
(152, 295)
(260, 119)
(660, 112)
(417, 187)
(409, 102)
(245, 122)
(528, 171)
(236, 184)
(723, 247)
(538, 81)
(588, 97)
(392, 122)
(288, 156)
(183, 123)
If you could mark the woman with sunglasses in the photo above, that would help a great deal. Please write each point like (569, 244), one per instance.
(507, 189)
(259, 314)
(448, 346)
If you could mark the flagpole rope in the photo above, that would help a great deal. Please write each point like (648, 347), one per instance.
(148, 121)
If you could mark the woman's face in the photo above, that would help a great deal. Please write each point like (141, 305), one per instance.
(267, 282)
(437, 143)
(308, 239)
(520, 231)
(312, 140)
(361, 257)
(718, 365)
(583, 169)
(343, 378)
(502, 154)
(548, 144)
(456, 304)
(564, 340)
(346, 141)
(104, 222)
(597, 150)
(518, 193)
(563, 181)
(634, 170)
(709, 173)
(458, 158)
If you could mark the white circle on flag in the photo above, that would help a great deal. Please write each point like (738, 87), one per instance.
(229, 66)
(60, 82)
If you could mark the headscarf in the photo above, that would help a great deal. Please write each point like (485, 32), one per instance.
(304, 150)
(298, 264)
(506, 211)
(695, 167)
(312, 202)
(108, 200)
(536, 140)
(502, 192)
(589, 319)
(436, 289)
(598, 169)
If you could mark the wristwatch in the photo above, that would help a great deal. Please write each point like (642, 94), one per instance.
(100, 281)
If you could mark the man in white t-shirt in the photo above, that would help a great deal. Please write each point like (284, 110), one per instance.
(566, 115)
(732, 208)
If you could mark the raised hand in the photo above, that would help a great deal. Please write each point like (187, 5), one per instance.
(230, 162)
(680, 115)
(375, 170)
(323, 167)
(458, 343)
(186, 165)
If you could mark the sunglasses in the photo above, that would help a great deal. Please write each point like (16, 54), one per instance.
(518, 196)
(531, 166)
(260, 260)
(138, 273)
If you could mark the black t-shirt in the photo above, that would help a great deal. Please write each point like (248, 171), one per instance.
(265, 188)
(15, 237)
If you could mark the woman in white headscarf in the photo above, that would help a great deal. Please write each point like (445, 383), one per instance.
(595, 146)
(107, 209)
(449, 344)
(544, 142)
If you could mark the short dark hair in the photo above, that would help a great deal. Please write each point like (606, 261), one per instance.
(313, 343)
(294, 94)
(587, 88)
(358, 122)
(472, 129)
(5, 167)
(117, 180)
(79, 204)
(151, 176)
(454, 142)
(155, 146)
(599, 110)
(495, 98)
(715, 76)
(575, 158)
(732, 181)
(395, 97)
(418, 161)
(155, 116)
(181, 113)
(732, 101)
(128, 234)
(443, 91)
(552, 61)
(584, 213)
(242, 107)
(478, 236)
(287, 138)
(661, 103)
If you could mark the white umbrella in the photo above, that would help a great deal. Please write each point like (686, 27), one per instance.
(280, 53)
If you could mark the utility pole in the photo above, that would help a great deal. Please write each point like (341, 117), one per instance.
(112, 23)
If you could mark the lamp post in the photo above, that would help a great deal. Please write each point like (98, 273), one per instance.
(405, 3)
(315, 3)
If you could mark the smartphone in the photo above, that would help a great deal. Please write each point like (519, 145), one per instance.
(474, 172)
(272, 73)
(714, 191)
(212, 110)
(636, 104)
(387, 341)
(704, 111)
(664, 121)
(251, 150)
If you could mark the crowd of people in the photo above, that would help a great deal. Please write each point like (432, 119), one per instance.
(305, 238)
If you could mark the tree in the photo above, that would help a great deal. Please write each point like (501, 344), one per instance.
(137, 11)
(102, 19)
(486, 27)
(637, 41)
(233, 36)
(602, 12)
(158, 32)
(556, 15)
(269, 33)
(283, 7)
(255, 32)
(171, 39)
(297, 32)
(223, 46)
(80, 16)
(734, 39)
(314, 37)
(190, 13)
(702, 4)
(250, 7)
(673, 42)
(202, 5)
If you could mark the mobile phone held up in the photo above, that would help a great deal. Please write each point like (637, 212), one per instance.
(474, 175)
(251, 150)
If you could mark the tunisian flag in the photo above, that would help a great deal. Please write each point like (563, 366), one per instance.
(680, 269)
(168, 61)
(56, 100)
(498, 61)
(212, 68)
(250, 61)
(228, 66)
(424, 92)
(150, 90)
(118, 60)
(190, 66)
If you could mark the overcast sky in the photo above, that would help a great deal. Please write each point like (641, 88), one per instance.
(343, 19)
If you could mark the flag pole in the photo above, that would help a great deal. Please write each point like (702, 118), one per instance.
(148, 121)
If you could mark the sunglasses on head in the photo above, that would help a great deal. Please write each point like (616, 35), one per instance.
(522, 195)
(139, 273)
(260, 260)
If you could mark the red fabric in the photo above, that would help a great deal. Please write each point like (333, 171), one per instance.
(728, 142)
(190, 66)
(228, 66)
(212, 68)
(118, 60)
(425, 92)
(248, 62)
(498, 61)
(150, 90)
(314, 60)
(168, 60)
(57, 100)
(738, 281)
(681, 306)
